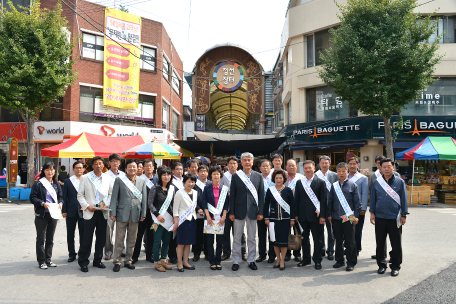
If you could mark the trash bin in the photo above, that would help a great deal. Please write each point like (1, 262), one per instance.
(15, 193)
(25, 194)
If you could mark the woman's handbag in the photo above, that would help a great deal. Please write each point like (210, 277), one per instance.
(294, 241)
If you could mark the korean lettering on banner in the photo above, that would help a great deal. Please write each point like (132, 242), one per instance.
(228, 75)
(122, 52)
(200, 122)
(13, 157)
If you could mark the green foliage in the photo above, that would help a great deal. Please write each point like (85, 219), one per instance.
(123, 8)
(34, 58)
(379, 62)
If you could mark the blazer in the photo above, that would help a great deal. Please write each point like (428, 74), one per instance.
(155, 205)
(87, 194)
(124, 203)
(199, 203)
(71, 205)
(182, 202)
(208, 199)
(332, 178)
(272, 207)
(305, 209)
(38, 197)
(242, 200)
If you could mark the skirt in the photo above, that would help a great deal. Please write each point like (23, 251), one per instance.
(186, 233)
(281, 229)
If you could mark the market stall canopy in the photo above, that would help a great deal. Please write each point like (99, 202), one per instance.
(184, 152)
(152, 150)
(256, 147)
(87, 145)
(431, 147)
(205, 136)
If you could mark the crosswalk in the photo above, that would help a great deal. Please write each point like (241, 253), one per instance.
(11, 207)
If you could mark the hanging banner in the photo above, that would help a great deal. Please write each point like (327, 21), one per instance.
(12, 153)
(122, 45)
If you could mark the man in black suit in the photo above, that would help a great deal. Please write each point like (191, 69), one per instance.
(246, 207)
(201, 182)
(311, 209)
(71, 209)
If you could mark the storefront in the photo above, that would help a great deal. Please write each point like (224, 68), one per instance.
(19, 131)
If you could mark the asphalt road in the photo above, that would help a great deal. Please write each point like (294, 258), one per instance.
(428, 246)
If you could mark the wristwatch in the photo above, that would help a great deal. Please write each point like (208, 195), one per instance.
(404, 215)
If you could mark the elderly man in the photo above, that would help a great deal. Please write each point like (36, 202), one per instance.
(246, 207)
(128, 207)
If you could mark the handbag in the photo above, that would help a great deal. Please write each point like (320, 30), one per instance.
(294, 240)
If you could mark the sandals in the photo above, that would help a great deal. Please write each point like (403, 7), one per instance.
(213, 267)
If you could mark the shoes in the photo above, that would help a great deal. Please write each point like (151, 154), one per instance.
(99, 265)
(349, 268)
(51, 264)
(374, 257)
(381, 270)
(107, 257)
(129, 266)
(225, 257)
(304, 263)
(189, 268)
(196, 258)
(338, 265)
(116, 268)
(282, 268)
(244, 257)
(298, 259)
(287, 258)
(173, 261)
(134, 260)
(43, 266)
(180, 269)
(71, 259)
(166, 265)
(235, 267)
(276, 266)
(219, 267)
(85, 269)
(123, 255)
(253, 266)
(213, 267)
(159, 266)
(330, 256)
(260, 259)
(150, 259)
(317, 266)
(394, 273)
(271, 260)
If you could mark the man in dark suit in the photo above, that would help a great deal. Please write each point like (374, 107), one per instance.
(311, 208)
(246, 207)
(71, 209)
(201, 182)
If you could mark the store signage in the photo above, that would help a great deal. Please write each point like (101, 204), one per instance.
(8, 130)
(200, 122)
(42, 130)
(418, 127)
(228, 76)
(13, 146)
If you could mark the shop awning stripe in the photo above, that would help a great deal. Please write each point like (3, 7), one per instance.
(431, 148)
(444, 146)
(80, 149)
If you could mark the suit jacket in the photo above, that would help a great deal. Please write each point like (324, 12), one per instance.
(208, 198)
(87, 194)
(242, 200)
(38, 197)
(182, 202)
(305, 209)
(199, 204)
(124, 203)
(71, 205)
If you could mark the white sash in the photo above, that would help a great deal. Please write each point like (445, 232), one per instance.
(248, 184)
(111, 174)
(149, 184)
(292, 184)
(323, 177)
(75, 181)
(279, 199)
(377, 173)
(265, 185)
(220, 205)
(168, 200)
(393, 194)
(312, 196)
(131, 187)
(200, 184)
(184, 216)
(355, 177)
(178, 183)
(344, 203)
(49, 189)
(94, 179)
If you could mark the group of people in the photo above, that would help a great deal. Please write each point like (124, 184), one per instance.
(175, 213)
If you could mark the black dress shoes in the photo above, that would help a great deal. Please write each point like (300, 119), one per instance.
(304, 263)
(394, 273)
(235, 267)
(84, 269)
(134, 260)
(373, 257)
(189, 268)
(330, 256)
(71, 259)
(287, 258)
(381, 270)
(253, 266)
(338, 265)
(260, 259)
(276, 266)
(116, 268)
(271, 260)
(99, 265)
(150, 259)
(129, 266)
(173, 261)
(349, 268)
(298, 259)
(196, 258)
(317, 266)
(282, 268)
(225, 257)
(244, 257)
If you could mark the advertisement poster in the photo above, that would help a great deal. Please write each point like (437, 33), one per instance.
(122, 49)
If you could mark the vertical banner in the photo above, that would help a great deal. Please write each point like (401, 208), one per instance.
(122, 51)
(12, 155)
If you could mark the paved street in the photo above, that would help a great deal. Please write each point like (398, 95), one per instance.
(428, 242)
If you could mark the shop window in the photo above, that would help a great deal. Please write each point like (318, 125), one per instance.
(92, 46)
(324, 104)
(175, 124)
(176, 81)
(165, 120)
(53, 112)
(6, 115)
(148, 58)
(316, 44)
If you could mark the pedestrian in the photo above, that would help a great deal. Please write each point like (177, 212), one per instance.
(140, 170)
(185, 204)
(279, 214)
(63, 175)
(45, 192)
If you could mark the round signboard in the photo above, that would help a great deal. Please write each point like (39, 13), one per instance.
(228, 76)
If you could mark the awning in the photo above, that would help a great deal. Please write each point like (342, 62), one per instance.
(431, 148)
(402, 144)
(328, 146)
(204, 136)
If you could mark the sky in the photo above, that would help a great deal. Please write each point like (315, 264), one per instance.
(254, 24)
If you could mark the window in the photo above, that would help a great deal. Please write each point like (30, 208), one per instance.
(175, 124)
(165, 120)
(148, 109)
(446, 25)
(166, 68)
(310, 51)
(289, 113)
(316, 44)
(53, 112)
(176, 81)
(92, 46)
(324, 104)
(86, 102)
(148, 58)
(6, 115)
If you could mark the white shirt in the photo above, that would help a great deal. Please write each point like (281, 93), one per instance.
(309, 181)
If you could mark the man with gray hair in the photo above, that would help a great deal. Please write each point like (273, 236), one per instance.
(246, 207)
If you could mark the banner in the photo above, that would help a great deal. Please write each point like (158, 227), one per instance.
(13, 157)
(122, 50)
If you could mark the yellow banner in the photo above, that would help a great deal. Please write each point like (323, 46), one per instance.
(122, 44)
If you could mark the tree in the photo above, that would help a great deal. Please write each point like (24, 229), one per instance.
(34, 64)
(380, 58)
(123, 8)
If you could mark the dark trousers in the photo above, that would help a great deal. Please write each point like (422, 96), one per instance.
(172, 251)
(227, 238)
(71, 223)
(330, 242)
(144, 230)
(98, 224)
(297, 253)
(359, 232)
(384, 227)
(262, 239)
(217, 258)
(45, 229)
(318, 232)
(201, 241)
(345, 232)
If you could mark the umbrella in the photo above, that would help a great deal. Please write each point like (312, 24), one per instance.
(152, 150)
(202, 159)
(184, 152)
